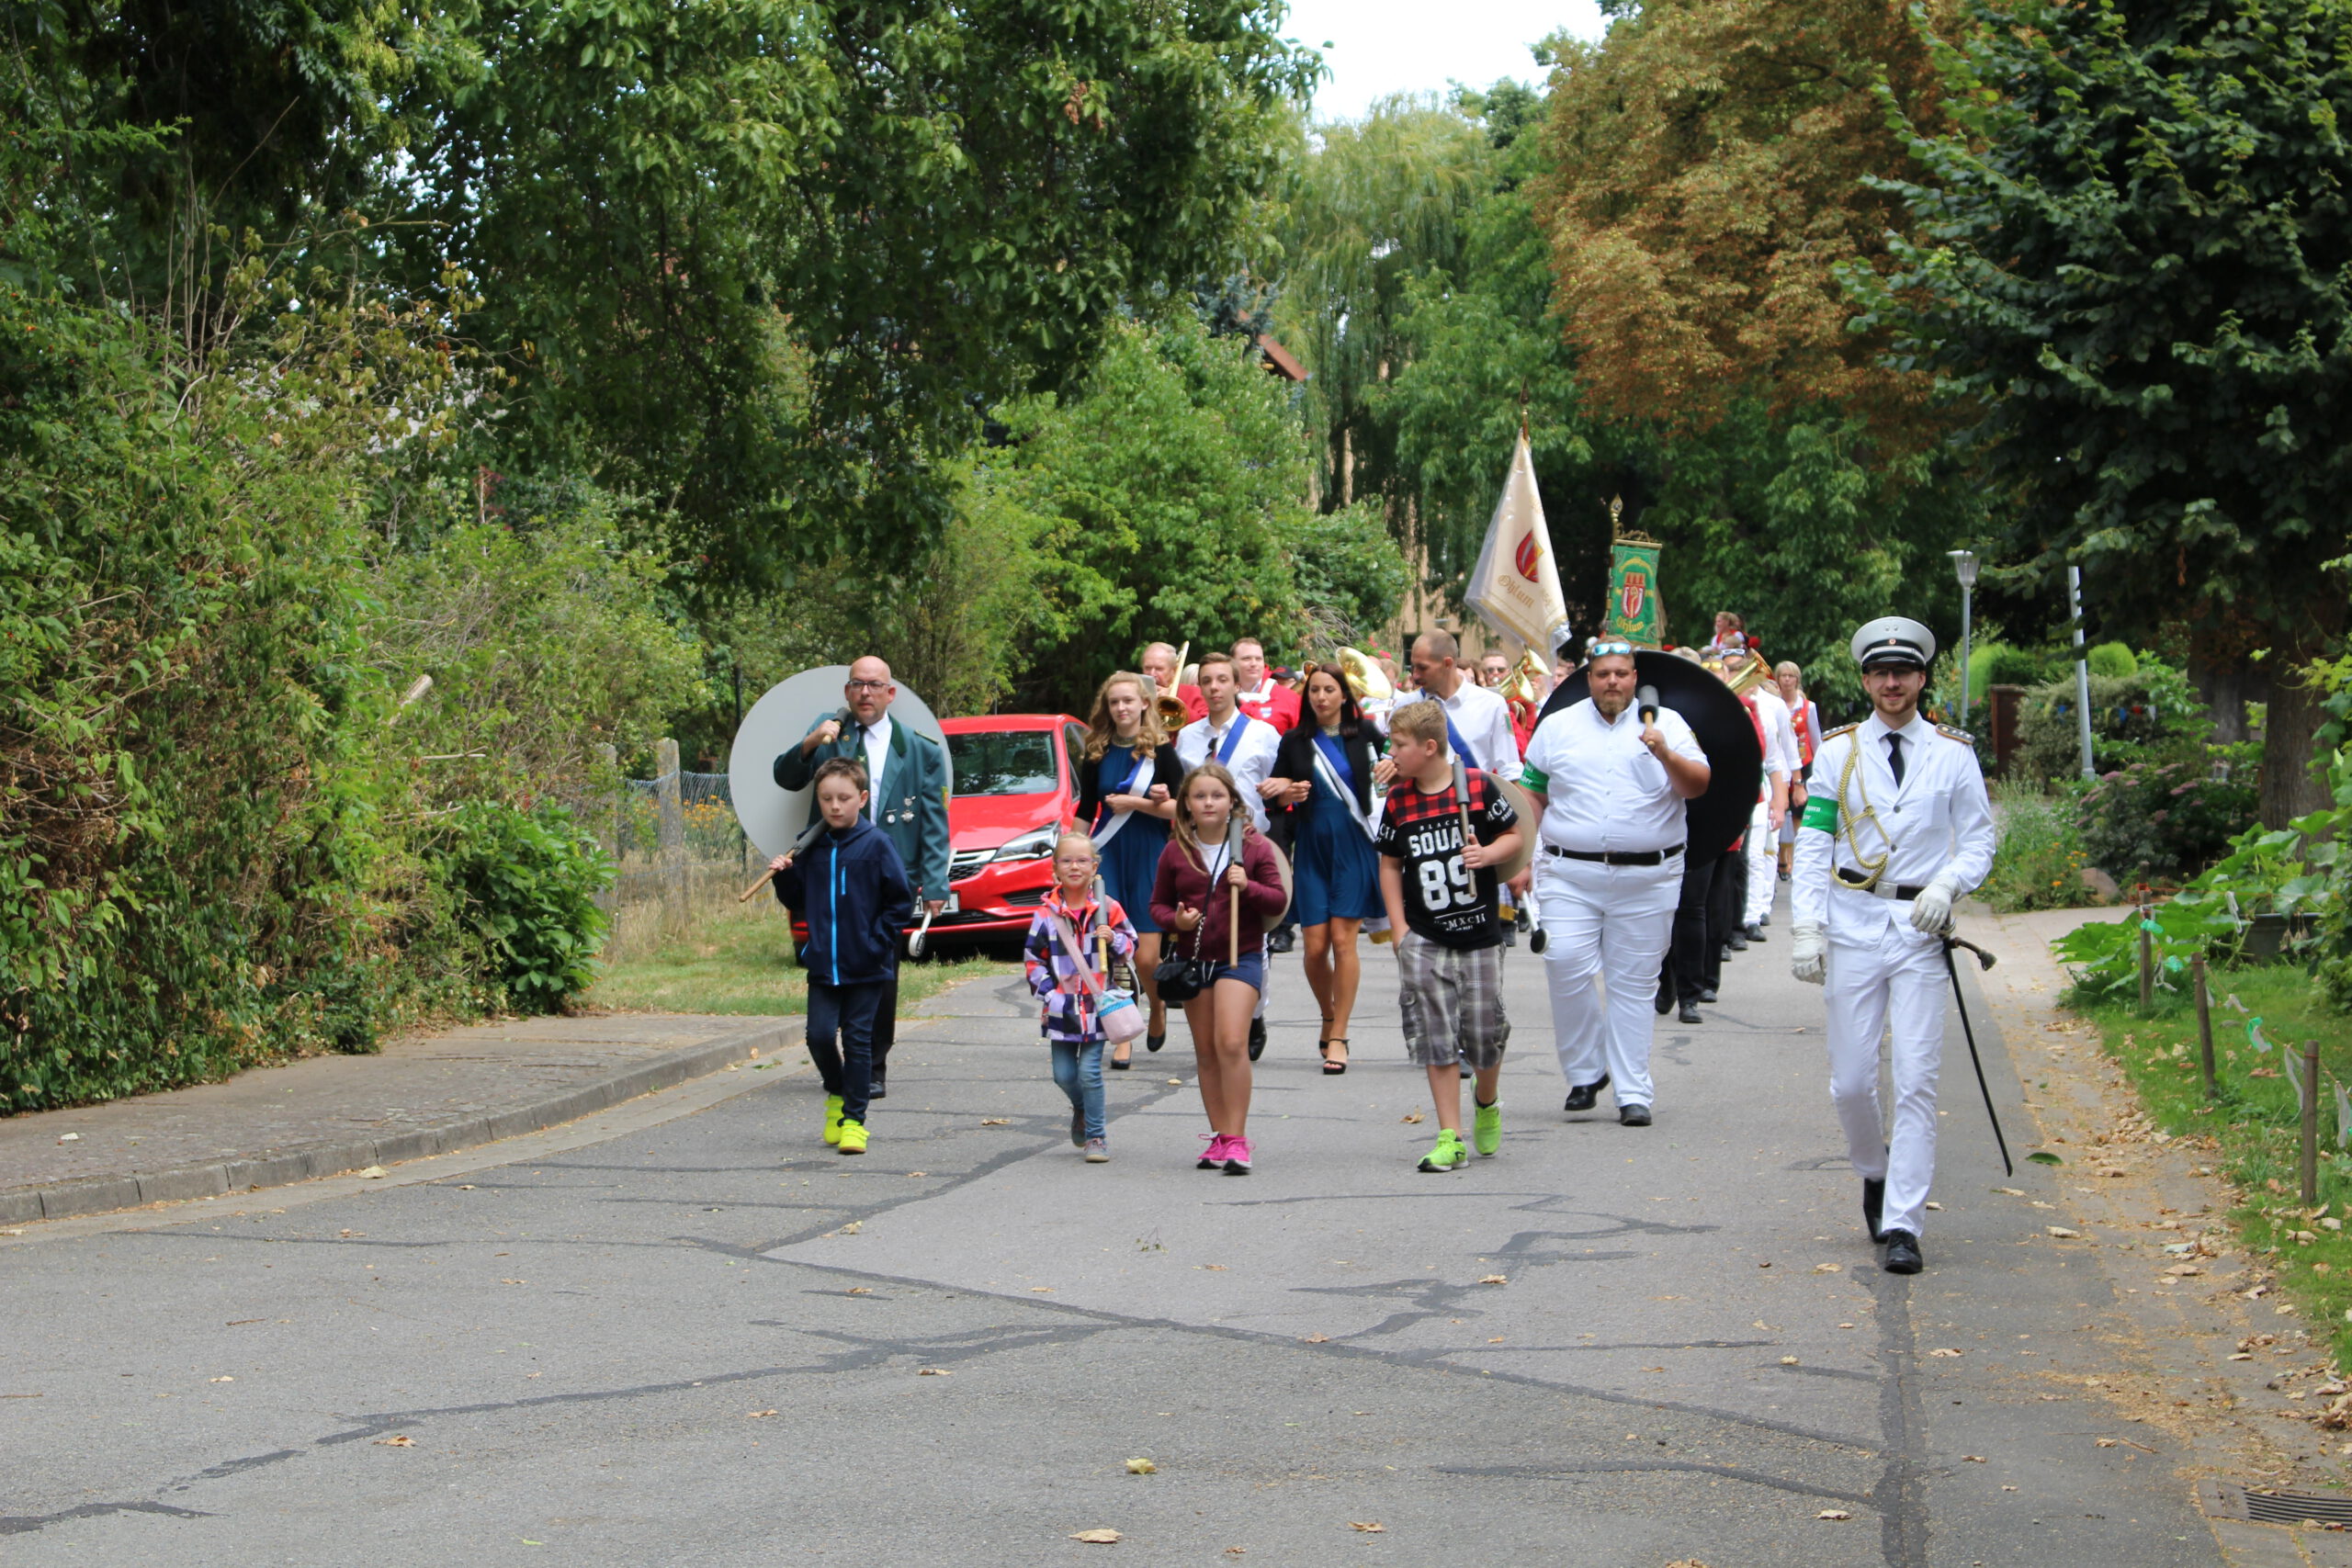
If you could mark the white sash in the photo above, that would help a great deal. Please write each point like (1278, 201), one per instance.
(1330, 777)
(1109, 828)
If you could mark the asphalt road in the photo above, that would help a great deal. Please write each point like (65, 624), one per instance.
(709, 1339)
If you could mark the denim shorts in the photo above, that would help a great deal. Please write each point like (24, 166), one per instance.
(1250, 971)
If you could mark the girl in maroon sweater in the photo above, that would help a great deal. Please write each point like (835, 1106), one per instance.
(1193, 895)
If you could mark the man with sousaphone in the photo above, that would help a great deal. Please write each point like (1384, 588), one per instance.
(908, 776)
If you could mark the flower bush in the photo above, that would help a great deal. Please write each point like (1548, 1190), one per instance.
(2039, 861)
(2151, 821)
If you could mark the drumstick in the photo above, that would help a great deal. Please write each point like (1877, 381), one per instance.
(1233, 858)
(1102, 933)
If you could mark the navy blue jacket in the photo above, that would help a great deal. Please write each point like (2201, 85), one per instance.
(851, 889)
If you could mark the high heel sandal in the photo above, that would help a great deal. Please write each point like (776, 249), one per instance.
(1332, 1069)
(1323, 1038)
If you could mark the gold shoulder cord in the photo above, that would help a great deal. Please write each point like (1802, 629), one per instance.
(1849, 819)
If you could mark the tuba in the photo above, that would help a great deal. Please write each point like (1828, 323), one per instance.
(1366, 678)
(1755, 673)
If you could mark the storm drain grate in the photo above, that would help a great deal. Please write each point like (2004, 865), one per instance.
(2227, 1500)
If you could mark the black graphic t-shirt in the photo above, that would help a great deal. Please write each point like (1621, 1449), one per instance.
(1444, 900)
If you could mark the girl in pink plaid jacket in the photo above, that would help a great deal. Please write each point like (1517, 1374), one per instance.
(1066, 1004)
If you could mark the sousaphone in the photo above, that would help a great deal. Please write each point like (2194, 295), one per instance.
(1735, 761)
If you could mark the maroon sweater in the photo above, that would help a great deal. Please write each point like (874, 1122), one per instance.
(1182, 879)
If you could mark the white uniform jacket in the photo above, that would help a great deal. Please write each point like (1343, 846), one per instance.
(1938, 824)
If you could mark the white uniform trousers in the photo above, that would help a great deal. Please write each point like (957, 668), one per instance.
(1607, 924)
(1898, 979)
(1763, 854)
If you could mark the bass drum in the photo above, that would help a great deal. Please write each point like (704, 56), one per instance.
(772, 817)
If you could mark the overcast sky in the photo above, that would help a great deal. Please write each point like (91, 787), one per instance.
(1377, 47)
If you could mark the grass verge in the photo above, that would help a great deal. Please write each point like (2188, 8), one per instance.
(738, 962)
(2251, 1127)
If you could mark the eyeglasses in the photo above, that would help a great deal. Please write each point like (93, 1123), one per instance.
(867, 686)
(1603, 649)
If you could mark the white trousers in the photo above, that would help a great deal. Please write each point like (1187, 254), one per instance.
(1606, 930)
(1900, 980)
(1763, 851)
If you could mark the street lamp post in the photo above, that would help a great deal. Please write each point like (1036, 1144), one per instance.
(1963, 564)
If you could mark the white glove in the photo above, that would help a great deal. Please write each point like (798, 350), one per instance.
(1807, 951)
(1931, 910)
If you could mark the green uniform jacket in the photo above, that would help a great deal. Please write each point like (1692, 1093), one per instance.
(910, 802)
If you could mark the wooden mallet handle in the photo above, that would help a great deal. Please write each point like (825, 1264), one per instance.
(765, 878)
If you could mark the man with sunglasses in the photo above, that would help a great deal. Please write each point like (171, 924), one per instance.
(1899, 828)
(907, 801)
(1610, 784)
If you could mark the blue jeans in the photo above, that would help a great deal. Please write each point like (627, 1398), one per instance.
(847, 1067)
(1078, 1070)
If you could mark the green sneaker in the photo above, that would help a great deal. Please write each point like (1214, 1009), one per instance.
(853, 1138)
(832, 1118)
(1486, 1127)
(1449, 1155)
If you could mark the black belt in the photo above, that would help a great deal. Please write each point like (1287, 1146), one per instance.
(1883, 890)
(1616, 857)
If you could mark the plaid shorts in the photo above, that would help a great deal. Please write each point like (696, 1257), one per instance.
(1453, 1003)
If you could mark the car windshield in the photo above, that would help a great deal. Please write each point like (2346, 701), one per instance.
(1004, 762)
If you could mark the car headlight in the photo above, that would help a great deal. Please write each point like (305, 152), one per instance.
(1037, 845)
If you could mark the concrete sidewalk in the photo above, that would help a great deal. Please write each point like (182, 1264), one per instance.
(424, 1094)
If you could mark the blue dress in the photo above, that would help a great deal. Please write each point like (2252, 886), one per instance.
(1335, 871)
(1131, 860)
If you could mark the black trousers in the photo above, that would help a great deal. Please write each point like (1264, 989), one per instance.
(886, 1024)
(1692, 960)
(841, 1021)
(1726, 910)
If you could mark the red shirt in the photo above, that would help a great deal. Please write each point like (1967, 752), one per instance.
(1272, 703)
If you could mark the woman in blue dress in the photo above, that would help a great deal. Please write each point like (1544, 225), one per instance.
(1127, 796)
(1331, 760)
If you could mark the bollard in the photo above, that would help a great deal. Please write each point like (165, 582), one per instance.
(2204, 1027)
(671, 829)
(2147, 967)
(2311, 1121)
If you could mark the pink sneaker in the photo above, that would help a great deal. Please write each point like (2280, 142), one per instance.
(1237, 1156)
(1213, 1155)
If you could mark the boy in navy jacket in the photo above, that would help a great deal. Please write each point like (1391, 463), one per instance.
(851, 889)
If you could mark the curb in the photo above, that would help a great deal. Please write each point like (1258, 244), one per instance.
(101, 1194)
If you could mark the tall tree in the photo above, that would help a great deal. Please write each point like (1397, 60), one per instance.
(2135, 257)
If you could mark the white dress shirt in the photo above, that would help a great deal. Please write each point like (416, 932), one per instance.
(1251, 764)
(1605, 791)
(1938, 823)
(1483, 720)
(877, 752)
(1779, 734)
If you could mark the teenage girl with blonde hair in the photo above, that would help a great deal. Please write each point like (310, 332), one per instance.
(1127, 794)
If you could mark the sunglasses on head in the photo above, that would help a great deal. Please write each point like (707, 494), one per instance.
(1602, 649)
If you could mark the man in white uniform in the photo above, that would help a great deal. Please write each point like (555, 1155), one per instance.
(1898, 828)
(1247, 748)
(1610, 787)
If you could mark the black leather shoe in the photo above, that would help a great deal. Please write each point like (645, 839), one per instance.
(1257, 1038)
(1633, 1116)
(1756, 932)
(880, 1089)
(1707, 995)
(1154, 1041)
(1873, 1205)
(1581, 1096)
(1665, 1001)
(1738, 942)
(1902, 1253)
(1280, 940)
(1690, 1014)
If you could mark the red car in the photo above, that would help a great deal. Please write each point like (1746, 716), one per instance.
(1016, 789)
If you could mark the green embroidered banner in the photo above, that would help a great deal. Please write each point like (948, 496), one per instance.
(1635, 612)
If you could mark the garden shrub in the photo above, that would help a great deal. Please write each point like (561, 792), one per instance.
(2163, 821)
(528, 883)
(2040, 860)
(2152, 713)
(2112, 660)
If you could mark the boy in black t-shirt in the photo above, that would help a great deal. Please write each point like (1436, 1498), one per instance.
(1440, 895)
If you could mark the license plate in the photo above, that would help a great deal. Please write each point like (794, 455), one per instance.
(955, 905)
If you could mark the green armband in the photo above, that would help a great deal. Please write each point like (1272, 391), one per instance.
(1821, 811)
(1535, 779)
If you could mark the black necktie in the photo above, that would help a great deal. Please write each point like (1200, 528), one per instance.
(1894, 756)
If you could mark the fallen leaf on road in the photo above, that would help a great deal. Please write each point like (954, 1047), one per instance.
(2241, 1355)
(224, 1380)
(1098, 1538)
(464, 1187)
(1368, 1527)
(514, 1282)
(2107, 1442)
(1211, 1267)
(1790, 1361)
(756, 1415)
(1766, 1264)
(1829, 1268)
(1410, 1116)
(1318, 1339)
(861, 1289)
(1496, 1340)
(912, 1174)
(374, 1173)
(1041, 1290)
(2008, 1488)
(1936, 1207)
(996, 1121)
(1942, 1351)
(1833, 1514)
(2062, 1233)
(1174, 1082)
(851, 1228)
(935, 1372)
(2184, 1270)
(400, 1442)
(1494, 1279)
(2011, 1192)
(1972, 1458)
(1142, 1467)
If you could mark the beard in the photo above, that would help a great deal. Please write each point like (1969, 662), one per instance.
(1611, 705)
